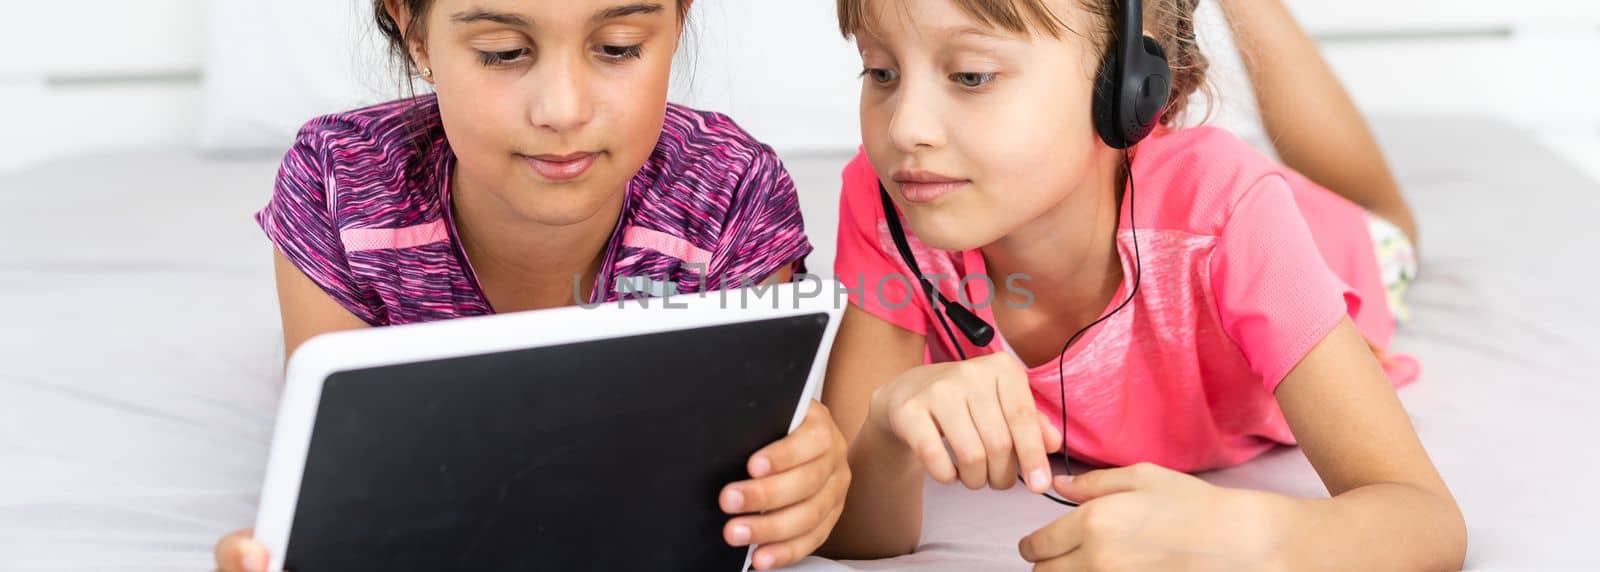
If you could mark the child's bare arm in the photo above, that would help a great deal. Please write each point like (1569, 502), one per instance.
(883, 511)
(307, 311)
(1314, 125)
(1390, 507)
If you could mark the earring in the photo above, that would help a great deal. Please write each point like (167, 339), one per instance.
(427, 72)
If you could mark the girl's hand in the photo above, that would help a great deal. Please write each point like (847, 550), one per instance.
(798, 486)
(239, 552)
(1146, 517)
(984, 408)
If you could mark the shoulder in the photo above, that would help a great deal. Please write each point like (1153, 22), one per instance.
(377, 166)
(1194, 179)
(707, 143)
(374, 131)
(704, 174)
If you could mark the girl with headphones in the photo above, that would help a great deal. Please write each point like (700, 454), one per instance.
(1041, 258)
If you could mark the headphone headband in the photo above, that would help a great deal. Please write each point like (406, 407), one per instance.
(1130, 25)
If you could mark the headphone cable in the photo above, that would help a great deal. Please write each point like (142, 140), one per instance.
(1138, 275)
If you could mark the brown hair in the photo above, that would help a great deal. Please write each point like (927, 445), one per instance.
(1170, 22)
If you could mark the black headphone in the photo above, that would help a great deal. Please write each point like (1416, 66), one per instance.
(1131, 91)
(1134, 84)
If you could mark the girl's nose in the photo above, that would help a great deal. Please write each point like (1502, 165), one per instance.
(560, 100)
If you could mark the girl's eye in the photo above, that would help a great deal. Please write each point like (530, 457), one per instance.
(491, 59)
(880, 75)
(972, 80)
(619, 53)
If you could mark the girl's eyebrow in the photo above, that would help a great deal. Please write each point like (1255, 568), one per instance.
(482, 15)
(510, 19)
(615, 12)
(976, 32)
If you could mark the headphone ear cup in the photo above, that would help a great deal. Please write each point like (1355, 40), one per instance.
(1123, 120)
(1141, 110)
(1154, 75)
(1106, 91)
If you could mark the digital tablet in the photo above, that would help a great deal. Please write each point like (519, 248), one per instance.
(553, 440)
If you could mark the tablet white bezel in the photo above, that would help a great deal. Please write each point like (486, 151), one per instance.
(322, 356)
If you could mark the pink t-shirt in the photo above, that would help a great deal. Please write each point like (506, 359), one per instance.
(1246, 266)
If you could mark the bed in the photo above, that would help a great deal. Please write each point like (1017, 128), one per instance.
(140, 358)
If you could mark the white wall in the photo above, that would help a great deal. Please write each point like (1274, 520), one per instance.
(127, 73)
(778, 67)
(93, 74)
(1532, 61)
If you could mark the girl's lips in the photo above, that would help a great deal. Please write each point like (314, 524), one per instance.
(929, 192)
(561, 167)
(927, 187)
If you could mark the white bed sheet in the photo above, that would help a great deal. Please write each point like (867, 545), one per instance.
(139, 358)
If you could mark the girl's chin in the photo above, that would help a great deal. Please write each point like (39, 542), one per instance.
(953, 232)
(558, 205)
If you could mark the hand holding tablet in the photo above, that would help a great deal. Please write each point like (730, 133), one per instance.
(562, 439)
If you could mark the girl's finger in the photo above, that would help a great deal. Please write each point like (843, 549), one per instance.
(1023, 421)
(1055, 540)
(916, 428)
(996, 437)
(1096, 484)
(1075, 561)
(955, 422)
(810, 440)
(239, 552)
(778, 490)
(787, 523)
(1053, 441)
(779, 554)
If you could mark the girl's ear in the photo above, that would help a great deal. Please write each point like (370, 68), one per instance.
(416, 47)
(419, 55)
(399, 13)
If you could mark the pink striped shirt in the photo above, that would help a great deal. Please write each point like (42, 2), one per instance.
(363, 210)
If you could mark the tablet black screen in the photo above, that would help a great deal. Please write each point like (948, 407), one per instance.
(590, 456)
